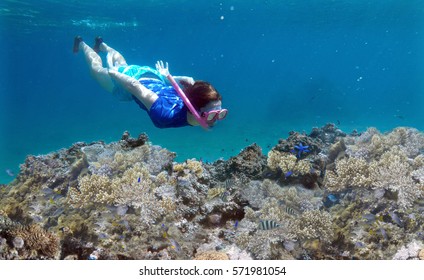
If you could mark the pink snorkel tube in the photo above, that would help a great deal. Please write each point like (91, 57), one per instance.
(187, 102)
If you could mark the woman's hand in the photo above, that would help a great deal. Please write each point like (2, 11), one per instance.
(163, 70)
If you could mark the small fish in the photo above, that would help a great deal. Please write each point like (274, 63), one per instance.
(51, 201)
(138, 179)
(175, 245)
(10, 172)
(395, 218)
(290, 211)
(383, 233)
(268, 225)
(236, 224)
(165, 231)
(399, 117)
(332, 198)
(370, 218)
(288, 174)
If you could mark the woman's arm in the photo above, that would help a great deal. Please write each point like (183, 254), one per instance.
(133, 86)
(186, 79)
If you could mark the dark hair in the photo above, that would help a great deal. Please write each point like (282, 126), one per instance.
(200, 93)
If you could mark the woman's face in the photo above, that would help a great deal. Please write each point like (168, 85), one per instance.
(211, 106)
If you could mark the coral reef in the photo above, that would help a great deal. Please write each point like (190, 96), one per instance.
(322, 195)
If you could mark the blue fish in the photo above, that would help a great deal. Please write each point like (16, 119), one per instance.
(332, 198)
(10, 172)
(236, 224)
(288, 174)
(138, 180)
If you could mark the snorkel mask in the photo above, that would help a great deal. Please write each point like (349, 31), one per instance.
(209, 116)
(213, 112)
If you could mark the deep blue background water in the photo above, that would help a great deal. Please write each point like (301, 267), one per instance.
(279, 65)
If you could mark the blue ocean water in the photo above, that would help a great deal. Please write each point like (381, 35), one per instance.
(279, 65)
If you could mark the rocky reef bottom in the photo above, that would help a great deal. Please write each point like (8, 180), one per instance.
(322, 195)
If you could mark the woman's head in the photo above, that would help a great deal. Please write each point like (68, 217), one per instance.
(206, 101)
(201, 93)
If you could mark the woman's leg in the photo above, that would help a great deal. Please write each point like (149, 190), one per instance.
(97, 70)
(99, 73)
(114, 58)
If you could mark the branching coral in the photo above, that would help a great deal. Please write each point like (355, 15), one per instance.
(287, 162)
(191, 166)
(134, 189)
(372, 144)
(315, 224)
(349, 172)
(92, 189)
(394, 172)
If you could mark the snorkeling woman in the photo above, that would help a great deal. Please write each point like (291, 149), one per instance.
(154, 90)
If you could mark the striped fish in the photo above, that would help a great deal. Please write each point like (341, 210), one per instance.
(267, 225)
(290, 211)
(228, 183)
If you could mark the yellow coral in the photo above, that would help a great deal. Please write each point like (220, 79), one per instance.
(195, 167)
(287, 162)
(190, 166)
(214, 192)
(178, 167)
(168, 204)
(162, 179)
